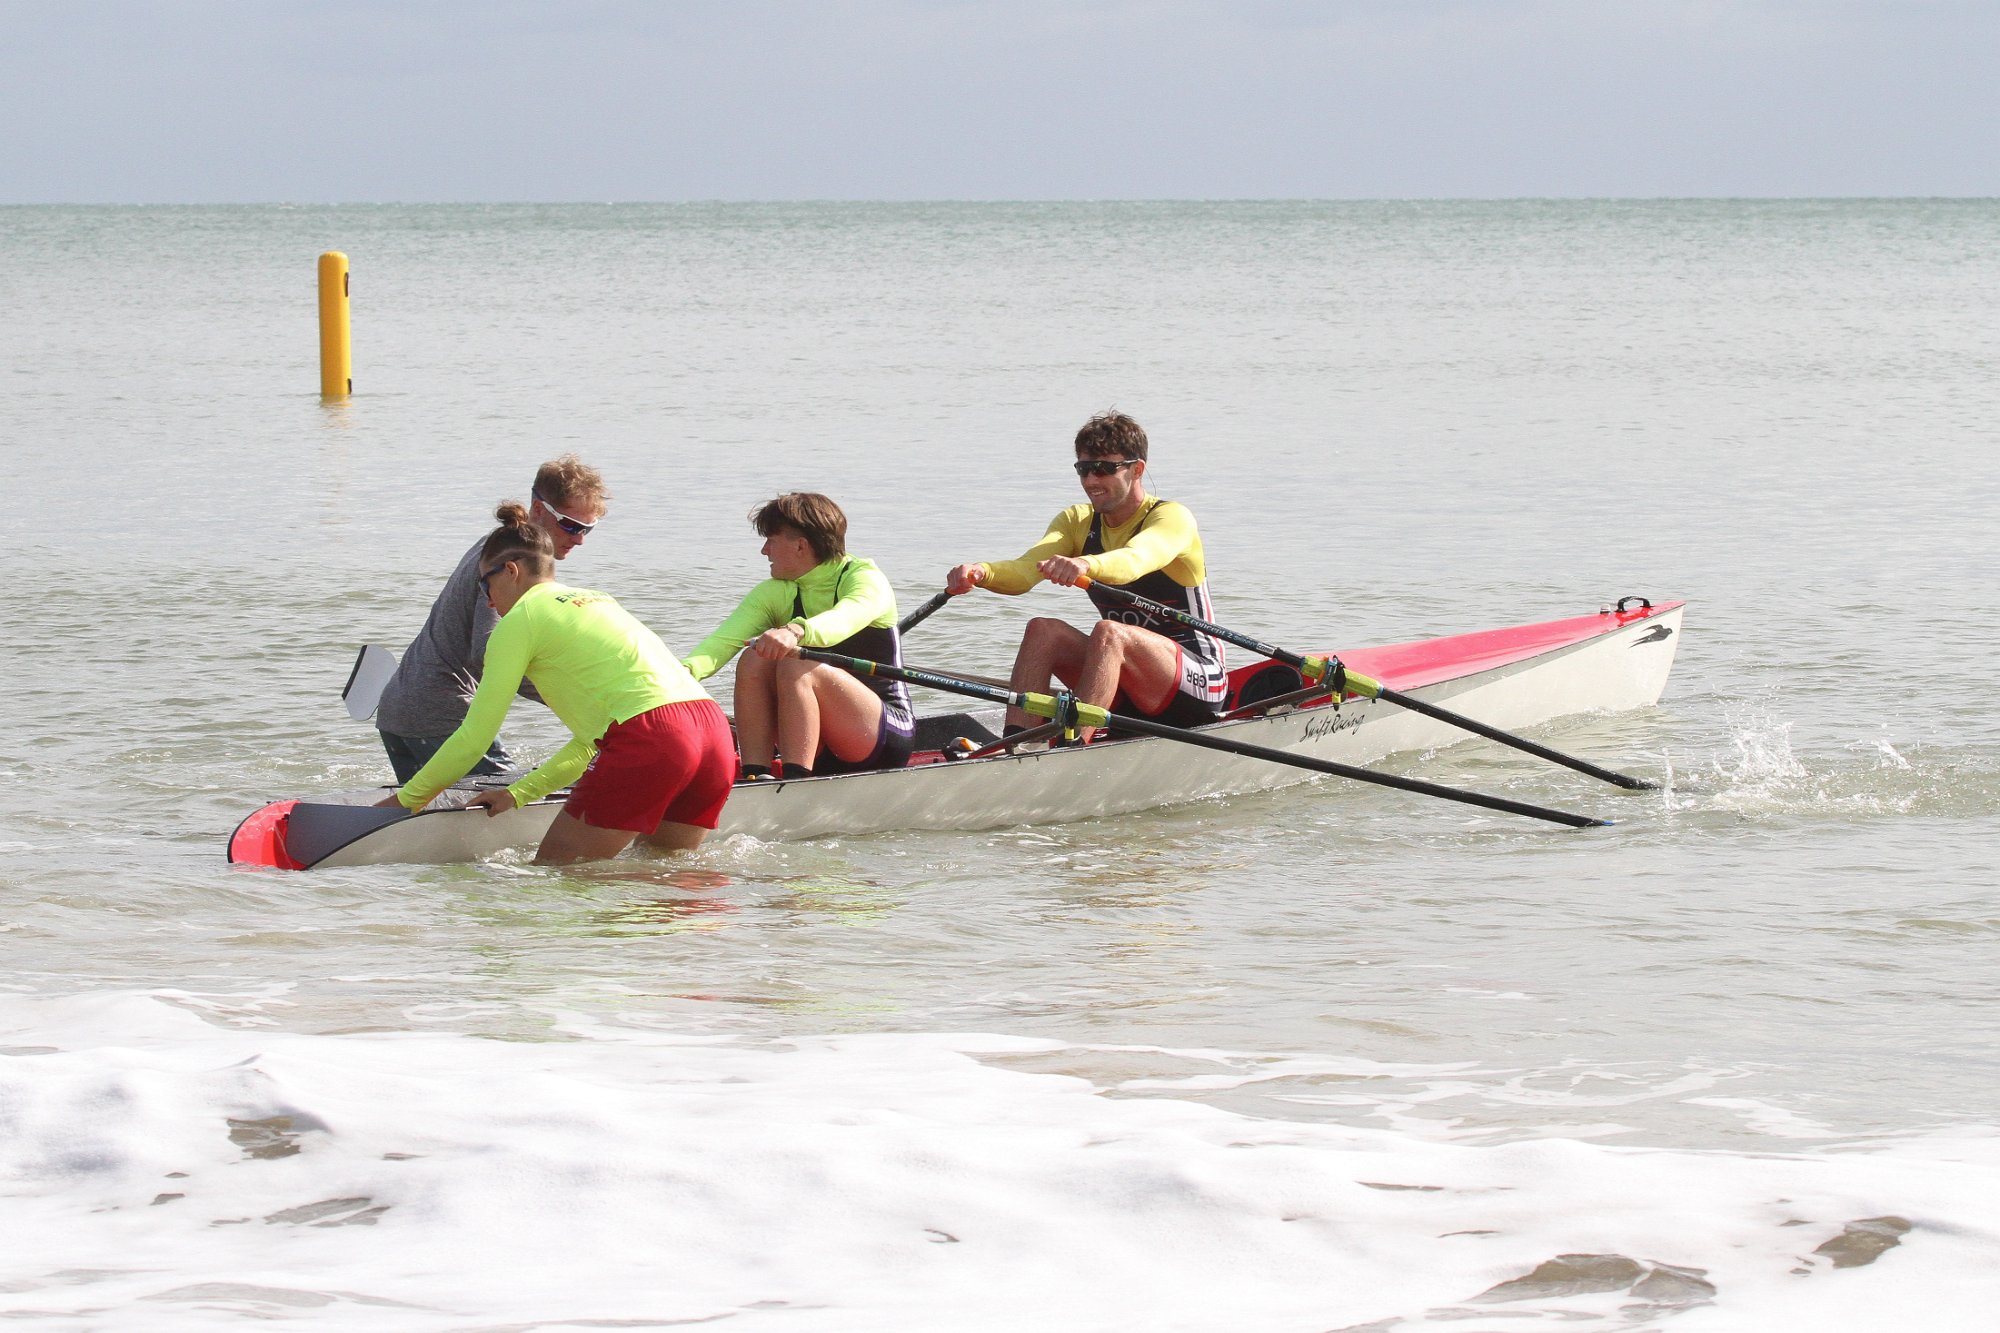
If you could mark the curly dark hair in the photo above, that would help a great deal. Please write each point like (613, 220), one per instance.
(1110, 434)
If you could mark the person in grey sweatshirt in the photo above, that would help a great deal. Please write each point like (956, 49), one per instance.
(426, 699)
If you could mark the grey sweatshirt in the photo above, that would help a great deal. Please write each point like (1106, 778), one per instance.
(434, 682)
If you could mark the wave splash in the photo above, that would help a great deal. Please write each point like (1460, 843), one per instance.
(163, 1169)
(1760, 769)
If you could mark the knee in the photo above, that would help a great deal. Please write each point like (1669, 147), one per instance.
(1044, 630)
(1109, 636)
(752, 683)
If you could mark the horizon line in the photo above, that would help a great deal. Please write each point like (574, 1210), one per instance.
(985, 200)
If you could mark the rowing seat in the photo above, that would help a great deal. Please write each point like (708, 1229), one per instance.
(1266, 682)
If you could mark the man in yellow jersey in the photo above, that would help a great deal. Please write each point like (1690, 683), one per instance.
(1131, 661)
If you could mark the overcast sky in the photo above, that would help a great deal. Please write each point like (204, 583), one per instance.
(494, 100)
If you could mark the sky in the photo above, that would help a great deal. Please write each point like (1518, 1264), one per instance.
(311, 101)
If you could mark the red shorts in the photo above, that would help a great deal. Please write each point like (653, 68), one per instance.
(673, 763)
(1190, 702)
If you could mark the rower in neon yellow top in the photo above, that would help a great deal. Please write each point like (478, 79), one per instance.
(801, 717)
(830, 603)
(592, 662)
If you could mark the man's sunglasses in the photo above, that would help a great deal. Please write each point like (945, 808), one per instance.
(1102, 467)
(575, 527)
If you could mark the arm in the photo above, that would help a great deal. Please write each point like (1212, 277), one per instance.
(1170, 532)
(866, 598)
(480, 631)
(767, 606)
(560, 769)
(507, 654)
(1064, 537)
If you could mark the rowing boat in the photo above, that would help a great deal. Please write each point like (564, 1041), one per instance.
(1521, 676)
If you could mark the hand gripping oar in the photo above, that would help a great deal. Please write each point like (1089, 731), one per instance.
(1067, 710)
(1321, 668)
(922, 613)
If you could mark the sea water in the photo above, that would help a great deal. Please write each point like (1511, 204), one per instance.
(1328, 1058)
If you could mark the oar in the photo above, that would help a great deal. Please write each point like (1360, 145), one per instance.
(1066, 709)
(373, 666)
(977, 680)
(1011, 739)
(1316, 691)
(922, 613)
(1320, 668)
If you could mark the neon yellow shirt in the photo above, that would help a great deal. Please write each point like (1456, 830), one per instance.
(1169, 542)
(840, 597)
(593, 664)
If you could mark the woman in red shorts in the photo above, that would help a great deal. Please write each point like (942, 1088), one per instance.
(653, 749)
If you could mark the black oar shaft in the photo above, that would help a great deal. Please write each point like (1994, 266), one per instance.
(1258, 646)
(1143, 726)
(1397, 697)
(1207, 742)
(954, 684)
(1479, 728)
(1041, 733)
(922, 613)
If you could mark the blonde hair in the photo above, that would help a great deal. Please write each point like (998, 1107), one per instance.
(567, 481)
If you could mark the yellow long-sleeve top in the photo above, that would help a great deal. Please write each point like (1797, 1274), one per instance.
(593, 664)
(1161, 535)
(834, 601)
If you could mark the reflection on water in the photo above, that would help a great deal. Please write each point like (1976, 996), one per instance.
(852, 901)
(671, 914)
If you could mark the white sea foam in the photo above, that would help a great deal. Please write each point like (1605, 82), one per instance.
(165, 1172)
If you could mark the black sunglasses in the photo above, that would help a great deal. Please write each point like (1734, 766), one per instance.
(1101, 467)
(575, 527)
(485, 591)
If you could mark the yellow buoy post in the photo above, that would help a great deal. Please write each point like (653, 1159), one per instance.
(336, 352)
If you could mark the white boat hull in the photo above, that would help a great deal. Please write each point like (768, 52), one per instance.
(1055, 786)
(1620, 665)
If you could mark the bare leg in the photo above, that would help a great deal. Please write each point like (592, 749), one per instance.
(1095, 664)
(672, 837)
(1146, 664)
(569, 839)
(820, 705)
(756, 708)
(1049, 649)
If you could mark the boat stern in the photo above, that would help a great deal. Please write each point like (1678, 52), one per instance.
(260, 839)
